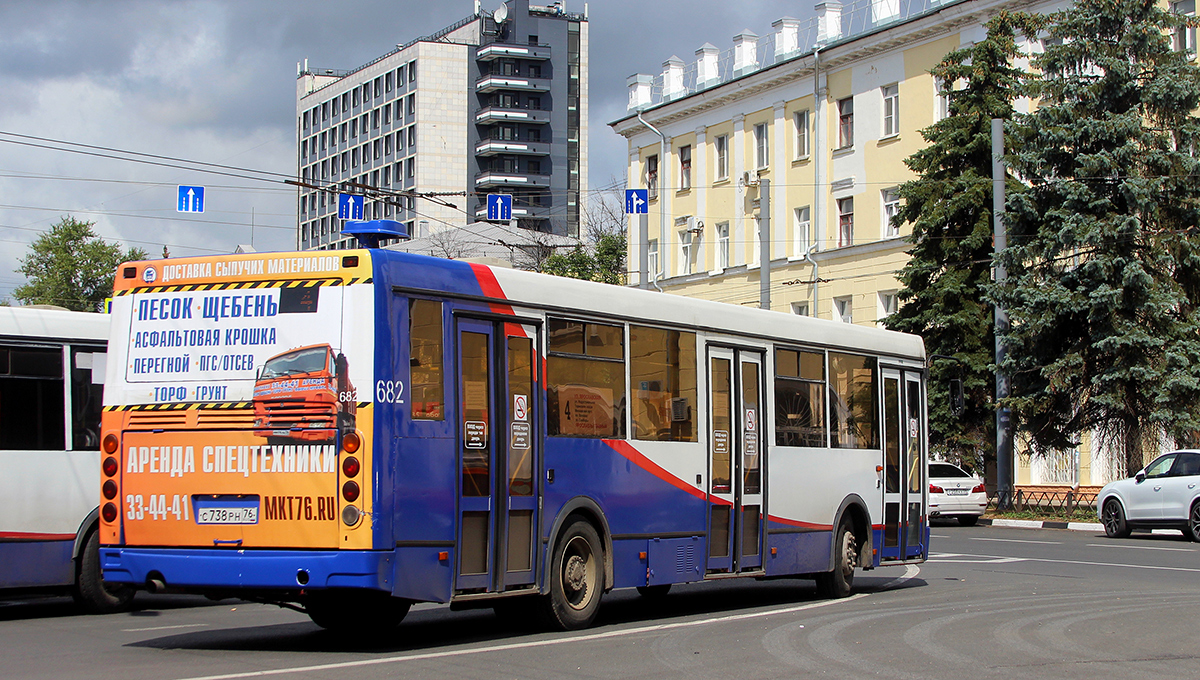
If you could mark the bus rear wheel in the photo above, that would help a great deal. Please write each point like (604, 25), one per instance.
(344, 610)
(90, 591)
(576, 578)
(840, 582)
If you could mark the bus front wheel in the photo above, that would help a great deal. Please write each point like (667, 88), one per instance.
(90, 591)
(839, 582)
(576, 578)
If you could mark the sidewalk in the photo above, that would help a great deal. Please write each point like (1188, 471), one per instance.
(1049, 524)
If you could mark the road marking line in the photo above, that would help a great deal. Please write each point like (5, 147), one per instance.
(1093, 564)
(910, 572)
(522, 645)
(185, 625)
(1016, 540)
(1136, 547)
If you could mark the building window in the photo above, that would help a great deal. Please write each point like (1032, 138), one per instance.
(891, 110)
(651, 178)
(411, 168)
(1185, 36)
(685, 167)
(387, 82)
(652, 258)
(400, 77)
(845, 122)
(845, 222)
(387, 114)
(354, 96)
(762, 145)
(375, 119)
(376, 148)
(800, 120)
(412, 138)
(334, 102)
(410, 104)
(888, 304)
(685, 252)
(722, 245)
(344, 126)
(843, 309)
(801, 309)
(941, 103)
(387, 145)
(721, 145)
(803, 231)
(891, 208)
(412, 71)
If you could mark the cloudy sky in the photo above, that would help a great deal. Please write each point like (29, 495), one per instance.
(214, 81)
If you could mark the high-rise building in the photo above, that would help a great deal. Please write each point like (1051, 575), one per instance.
(494, 103)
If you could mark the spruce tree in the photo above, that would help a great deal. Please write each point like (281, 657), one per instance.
(1103, 245)
(950, 208)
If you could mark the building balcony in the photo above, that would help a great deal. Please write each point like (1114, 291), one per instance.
(493, 83)
(519, 211)
(495, 147)
(505, 114)
(495, 178)
(509, 51)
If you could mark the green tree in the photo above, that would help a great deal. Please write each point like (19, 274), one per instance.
(950, 208)
(1103, 254)
(70, 266)
(604, 261)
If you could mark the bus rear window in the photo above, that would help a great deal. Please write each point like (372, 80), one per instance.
(425, 360)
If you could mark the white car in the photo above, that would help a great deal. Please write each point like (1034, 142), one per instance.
(954, 492)
(1163, 495)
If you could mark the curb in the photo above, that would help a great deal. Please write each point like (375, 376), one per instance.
(1040, 524)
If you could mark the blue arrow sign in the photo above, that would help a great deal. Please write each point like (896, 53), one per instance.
(191, 199)
(499, 207)
(350, 207)
(637, 201)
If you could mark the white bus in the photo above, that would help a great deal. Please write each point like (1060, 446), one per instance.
(51, 379)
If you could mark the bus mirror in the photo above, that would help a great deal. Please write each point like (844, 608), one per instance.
(956, 396)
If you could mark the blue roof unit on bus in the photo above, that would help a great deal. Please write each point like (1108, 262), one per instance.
(369, 233)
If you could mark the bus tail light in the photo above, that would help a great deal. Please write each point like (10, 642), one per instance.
(351, 515)
(109, 466)
(110, 489)
(350, 467)
(110, 443)
(109, 513)
(351, 442)
(979, 488)
(936, 489)
(350, 491)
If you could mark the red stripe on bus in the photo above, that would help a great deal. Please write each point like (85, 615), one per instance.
(798, 523)
(637, 458)
(28, 536)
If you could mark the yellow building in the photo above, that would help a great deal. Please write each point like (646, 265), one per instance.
(824, 112)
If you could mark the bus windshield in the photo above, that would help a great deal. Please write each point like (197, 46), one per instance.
(308, 360)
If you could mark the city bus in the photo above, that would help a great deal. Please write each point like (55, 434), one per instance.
(52, 368)
(519, 441)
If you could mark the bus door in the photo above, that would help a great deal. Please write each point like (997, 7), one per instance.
(498, 454)
(903, 466)
(736, 448)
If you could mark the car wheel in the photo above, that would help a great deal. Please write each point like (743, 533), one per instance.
(1113, 518)
(1193, 530)
(839, 582)
(968, 520)
(576, 578)
(90, 591)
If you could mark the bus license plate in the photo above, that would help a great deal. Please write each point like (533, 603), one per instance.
(226, 510)
(956, 492)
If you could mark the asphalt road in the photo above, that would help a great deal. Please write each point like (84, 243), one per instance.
(990, 603)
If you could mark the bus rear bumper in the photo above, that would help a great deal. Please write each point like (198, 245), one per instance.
(208, 569)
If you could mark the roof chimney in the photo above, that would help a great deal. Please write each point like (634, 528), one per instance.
(745, 52)
(787, 36)
(706, 66)
(672, 75)
(639, 90)
(829, 21)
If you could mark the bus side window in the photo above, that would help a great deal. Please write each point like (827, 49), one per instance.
(853, 390)
(799, 398)
(427, 395)
(87, 393)
(662, 373)
(31, 399)
(585, 379)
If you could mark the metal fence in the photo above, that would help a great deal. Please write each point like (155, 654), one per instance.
(1047, 502)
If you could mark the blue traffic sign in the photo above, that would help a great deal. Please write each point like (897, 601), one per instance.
(350, 206)
(499, 207)
(191, 199)
(637, 201)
